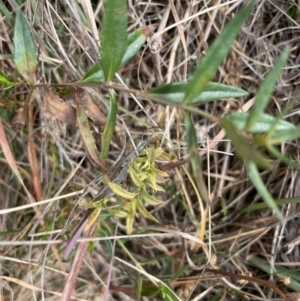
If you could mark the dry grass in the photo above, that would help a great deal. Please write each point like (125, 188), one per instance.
(51, 159)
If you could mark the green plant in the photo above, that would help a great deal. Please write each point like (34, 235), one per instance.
(130, 185)
(143, 176)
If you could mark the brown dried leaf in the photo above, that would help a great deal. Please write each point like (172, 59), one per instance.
(33, 155)
(89, 140)
(59, 108)
(293, 296)
(91, 108)
(17, 119)
(12, 163)
(148, 30)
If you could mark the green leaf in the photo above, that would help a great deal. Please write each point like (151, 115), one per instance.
(265, 90)
(117, 213)
(109, 126)
(261, 188)
(279, 202)
(284, 136)
(118, 190)
(25, 56)
(113, 36)
(91, 246)
(134, 177)
(130, 217)
(149, 198)
(194, 156)
(134, 42)
(167, 294)
(174, 92)
(138, 286)
(7, 13)
(209, 64)
(146, 213)
(93, 217)
(262, 125)
(94, 74)
(242, 147)
(294, 279)
(282, 158)
(279, 117)
(5, 82)
(283, 131)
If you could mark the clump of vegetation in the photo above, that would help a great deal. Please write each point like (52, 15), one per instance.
(106, 112)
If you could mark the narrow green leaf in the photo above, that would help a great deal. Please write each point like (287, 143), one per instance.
(110, 125)
(25, 56)
(158, 152)
(150, 292)
(262, 125)
(7, 13)
(113, 36)
(209, 64)
(134, 177)
(91, 246)
(261, 188)
(149, 198)
(138, 286)
(294, 279)
(265, 90)
(242, 147)
(153, 184)
(175, 92)
(135, 41)
(282, 158)
(146, 213)
(118, 190)
(283, 131)
(80, 12)
(117, 213)
(279, 202)
(92, 219)
(284, 136)
(280, 115)
(161, 176)
(192, 142)
(5, 82)
(130, 217)
(94, 74)
(167, 294)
